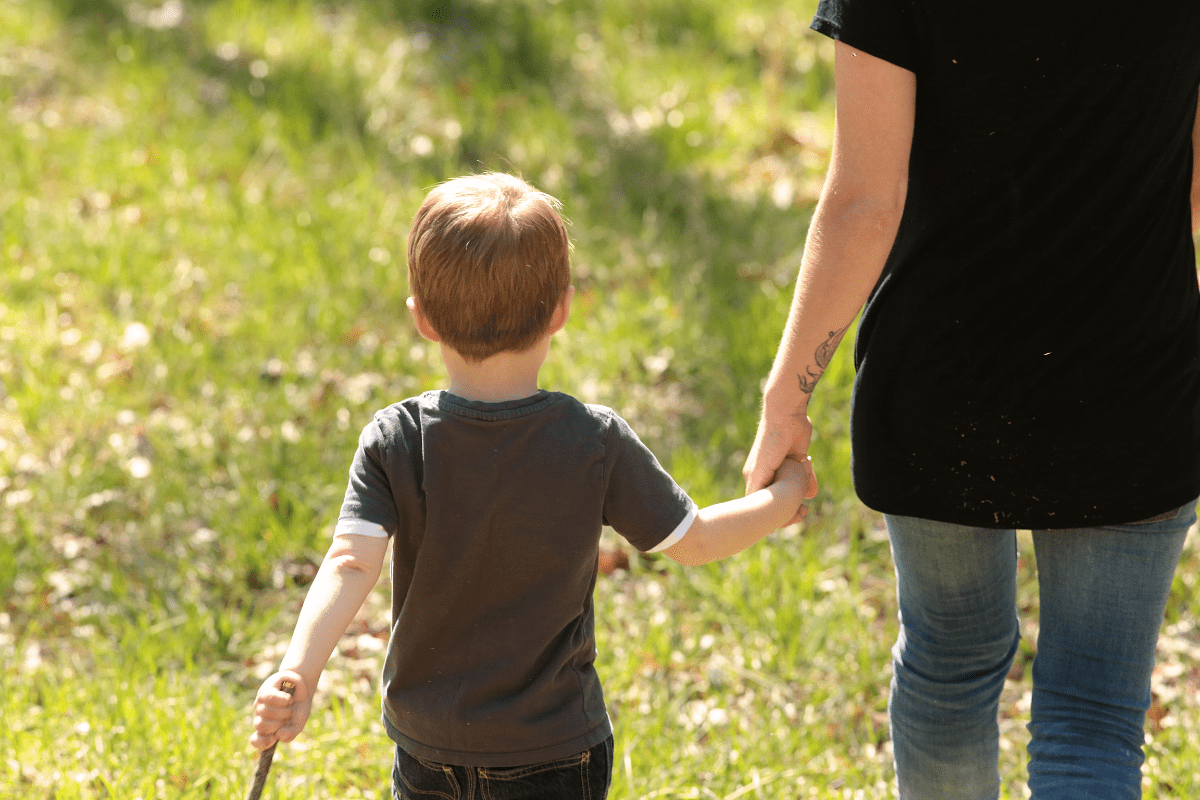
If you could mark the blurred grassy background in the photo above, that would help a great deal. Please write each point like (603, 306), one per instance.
(201, 303)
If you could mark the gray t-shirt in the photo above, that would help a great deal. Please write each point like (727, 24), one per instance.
(495, 511)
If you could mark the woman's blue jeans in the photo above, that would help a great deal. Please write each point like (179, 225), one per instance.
(1102, 592)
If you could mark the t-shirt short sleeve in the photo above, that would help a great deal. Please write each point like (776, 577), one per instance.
(882, 28)
(642, 501)
(369, 507)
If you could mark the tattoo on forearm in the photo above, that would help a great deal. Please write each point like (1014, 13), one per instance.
(808, 381)
(823, 355)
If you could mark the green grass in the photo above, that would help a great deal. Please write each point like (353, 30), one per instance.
(201, 303)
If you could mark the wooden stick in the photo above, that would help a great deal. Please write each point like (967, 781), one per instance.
(266, 756)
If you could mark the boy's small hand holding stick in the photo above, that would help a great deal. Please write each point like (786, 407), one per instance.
(273, 709)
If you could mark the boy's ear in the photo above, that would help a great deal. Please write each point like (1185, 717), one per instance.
(423, 327)
(562, 311)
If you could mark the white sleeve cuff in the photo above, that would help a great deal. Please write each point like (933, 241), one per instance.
(359, 527)
(677, 534)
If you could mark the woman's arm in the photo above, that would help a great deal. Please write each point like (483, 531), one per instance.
(1196, 170)
(851, 234)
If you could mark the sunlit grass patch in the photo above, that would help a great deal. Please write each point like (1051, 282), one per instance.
(201, 304)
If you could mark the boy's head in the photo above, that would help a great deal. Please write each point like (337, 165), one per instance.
(488, 263)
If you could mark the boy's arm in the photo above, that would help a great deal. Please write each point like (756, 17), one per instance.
(349, 572)
(730, 527)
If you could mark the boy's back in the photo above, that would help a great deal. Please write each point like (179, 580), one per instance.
(496, 511)
(495, 496)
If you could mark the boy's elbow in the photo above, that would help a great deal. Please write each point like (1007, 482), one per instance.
(689, 558)
(347, 563)
(352, 565)
(690, 550)
(357, 554)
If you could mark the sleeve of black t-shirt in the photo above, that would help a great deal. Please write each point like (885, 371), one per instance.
(369, 492)
(882, 28)
(642, 502)
(384, 487)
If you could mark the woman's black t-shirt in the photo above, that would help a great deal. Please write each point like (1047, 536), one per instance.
(1030, 357)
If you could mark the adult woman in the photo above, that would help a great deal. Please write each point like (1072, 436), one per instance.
(1013, 193)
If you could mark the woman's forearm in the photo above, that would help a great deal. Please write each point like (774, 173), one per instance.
(855, 222)
(847, 246)
(1196, 170)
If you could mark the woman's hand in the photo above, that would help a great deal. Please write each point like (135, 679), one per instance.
(779, 436)
(278, 716)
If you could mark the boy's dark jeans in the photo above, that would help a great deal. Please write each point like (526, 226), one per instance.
(584, 776)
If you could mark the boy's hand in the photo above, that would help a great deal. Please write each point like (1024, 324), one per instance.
(792, 476)
(279, 717)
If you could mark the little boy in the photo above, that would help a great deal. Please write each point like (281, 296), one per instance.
(493, 494)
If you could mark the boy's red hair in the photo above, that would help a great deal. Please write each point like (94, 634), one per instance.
(488, 263)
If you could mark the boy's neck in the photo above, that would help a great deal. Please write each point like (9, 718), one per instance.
(498, 378)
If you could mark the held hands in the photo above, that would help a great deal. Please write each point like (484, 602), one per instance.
(792, 479)
(780, 437)
(279, 717)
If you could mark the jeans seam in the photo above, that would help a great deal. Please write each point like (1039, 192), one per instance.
(484, 783)
(510, 773)
(449, 773)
